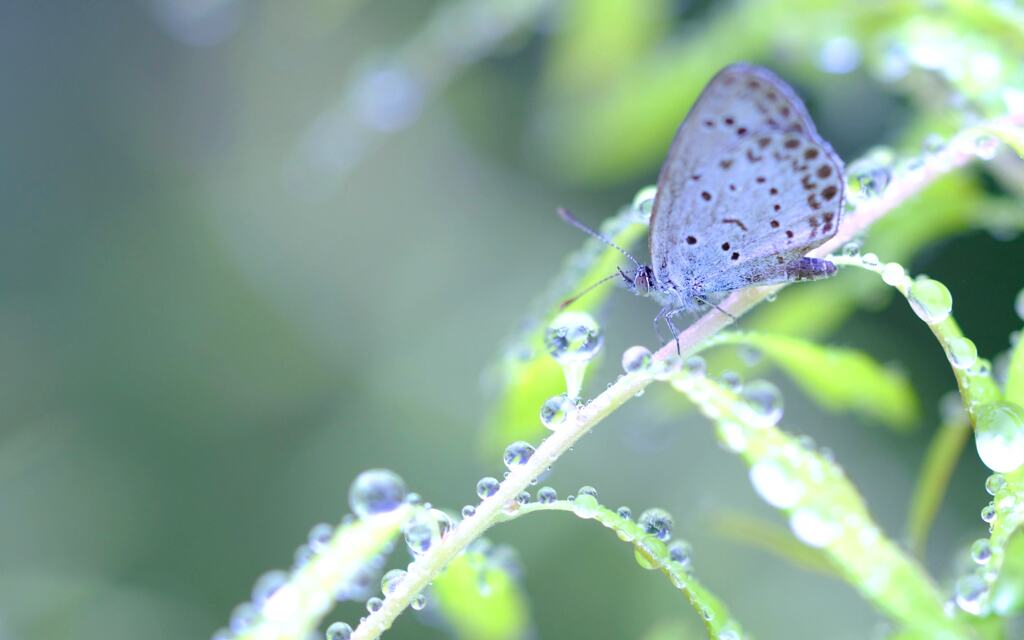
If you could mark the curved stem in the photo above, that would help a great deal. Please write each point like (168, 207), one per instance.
(960, 150)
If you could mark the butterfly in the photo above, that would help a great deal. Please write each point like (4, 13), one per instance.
(747, 189)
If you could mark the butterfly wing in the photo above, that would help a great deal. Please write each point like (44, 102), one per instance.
(748, 186)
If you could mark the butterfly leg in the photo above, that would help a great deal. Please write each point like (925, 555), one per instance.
(657, 330)
(672, 328)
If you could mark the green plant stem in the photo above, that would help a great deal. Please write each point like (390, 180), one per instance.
(960, 150)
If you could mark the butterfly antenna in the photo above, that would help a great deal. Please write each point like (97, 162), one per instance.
(712, 304)
(568, 301)
(564, 214)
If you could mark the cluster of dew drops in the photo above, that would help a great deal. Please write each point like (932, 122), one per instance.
(999, 436)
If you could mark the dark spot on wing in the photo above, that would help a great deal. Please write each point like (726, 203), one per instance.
(741, 131)
(735, 255)
(824, 171)
(775, 223)
(789, 233)
(752, 157)
(774, 191)
(761, 179)
(725, 246)
(811, 154)
(829, 192)
(813, 201)
(705, 195)
(792, 143)
(691, 240)
(729, 121)
(777, 207)
(725, 164)
(736, 222)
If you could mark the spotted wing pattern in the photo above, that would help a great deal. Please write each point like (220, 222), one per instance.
(747, 189)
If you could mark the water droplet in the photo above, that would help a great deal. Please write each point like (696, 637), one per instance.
(995, 483)
(643, 203)
(962, 352)
(811, 528)
(851, 249)
(930, 300)
(391, 580)
(338, 631)
(696, 366)
(587, 490)
(679, 551)
(625, 513)
(242, 617)
(870, 260)
(988, 513)
(731, 381)
(374, 604)
(468, 511)
(656, 522)
(986, 146)
(376, 491)
(386, 98)
(523, 498)
(776, 485)
(424, 529)
(970, 593)
(547, 495)
(267, 585)
(413, 498)
(981, 551)
(771, 297)
(636, 359)
(1018, 304)
(750, 355)
(648, 550)
(999, 436)
(303, 554)
(894, 275)
(586, 505)
(729, 634)
(320, 536)
(486, 487)
(556, 410)
(870, 176)
(573, 337)
(419, 602)
(766, 401)
(518, 453)
(839, 55)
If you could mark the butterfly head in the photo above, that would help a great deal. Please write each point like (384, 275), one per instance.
(642, 280)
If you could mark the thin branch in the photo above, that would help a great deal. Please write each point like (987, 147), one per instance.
(960, 150)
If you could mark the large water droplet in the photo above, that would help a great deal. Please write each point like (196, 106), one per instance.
(625, 513)
(930, 300)
(468, 511)
(679, 551)
(775, 484)
(374, 604)
(894, 275)
(320, 536)
(995, 483)
(871, 175)
(547, 495)
(338, 631)
(988, 513)
(424, 529)
(766, 401)
(981, 551)
(585, 505)
(376, 491)
(391, 580)
(648, 550)
(999, 436)
(419, 602)
(556, 410)
(635, 359)
(518, 453)
(970, 593)
(657, 522)
(812, 528)
(643, 203)
(486, 487)
(573, 337)
(962, 352)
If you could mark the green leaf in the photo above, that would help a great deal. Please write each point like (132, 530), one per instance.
(933, 480)
(479, 599)
(527, 375)
(1008, 592)
(837, 378)
(825, 511)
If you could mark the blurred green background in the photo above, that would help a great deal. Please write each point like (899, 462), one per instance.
(250, 249)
